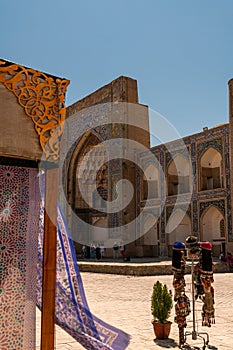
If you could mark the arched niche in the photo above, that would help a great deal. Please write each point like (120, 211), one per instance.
(210, 170)
(151, 188)
(213, 228)
(150, 230)
(178, 176)
(178, 228)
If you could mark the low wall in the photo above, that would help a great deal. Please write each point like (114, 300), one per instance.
(141, 269)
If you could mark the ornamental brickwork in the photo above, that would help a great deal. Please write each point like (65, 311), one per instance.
(199, 198)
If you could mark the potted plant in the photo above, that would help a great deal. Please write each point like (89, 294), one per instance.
(161, 305)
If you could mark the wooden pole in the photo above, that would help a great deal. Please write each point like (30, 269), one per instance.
(49, 261)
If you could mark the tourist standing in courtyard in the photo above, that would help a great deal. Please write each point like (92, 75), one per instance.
(97, 252)
(115, 250)
(122, 249)
(102, 250)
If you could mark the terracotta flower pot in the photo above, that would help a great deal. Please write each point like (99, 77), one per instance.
(162, 330)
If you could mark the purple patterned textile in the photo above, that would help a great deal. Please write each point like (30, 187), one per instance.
(19, 226)
(72, 311)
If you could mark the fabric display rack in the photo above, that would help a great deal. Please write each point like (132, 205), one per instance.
(200, 254)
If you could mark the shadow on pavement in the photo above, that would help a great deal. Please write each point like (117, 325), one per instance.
(166, 343)
(170, 343)
(188, 347)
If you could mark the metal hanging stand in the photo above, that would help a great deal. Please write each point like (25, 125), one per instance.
(194, 333)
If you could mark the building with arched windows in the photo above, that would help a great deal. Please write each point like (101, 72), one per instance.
(208, 213)
(184, 192)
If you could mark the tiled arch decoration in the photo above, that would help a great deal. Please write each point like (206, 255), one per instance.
(214, 143)
(185, 152)
(145, 162)
(219, 204)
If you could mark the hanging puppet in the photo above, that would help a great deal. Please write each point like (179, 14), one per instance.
(203, 276)
(182, 306)
(206, 276)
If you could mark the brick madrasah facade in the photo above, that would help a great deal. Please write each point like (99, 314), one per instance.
(204, 206)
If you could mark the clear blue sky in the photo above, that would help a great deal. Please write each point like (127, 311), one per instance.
(180, 51)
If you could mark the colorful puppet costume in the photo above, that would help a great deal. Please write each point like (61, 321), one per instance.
(182, 306)
(206, 276)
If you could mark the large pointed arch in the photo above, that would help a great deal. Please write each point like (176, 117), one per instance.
(83, 175)
(88, 140)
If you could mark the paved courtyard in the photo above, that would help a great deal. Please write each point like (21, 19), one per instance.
(124, 301)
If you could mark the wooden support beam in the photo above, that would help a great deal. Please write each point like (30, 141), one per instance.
(49, 261)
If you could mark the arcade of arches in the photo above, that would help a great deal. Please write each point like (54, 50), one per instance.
(193, 196)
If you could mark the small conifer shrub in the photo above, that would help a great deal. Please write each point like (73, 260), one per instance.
(161, 302)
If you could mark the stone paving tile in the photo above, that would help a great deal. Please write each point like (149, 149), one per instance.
(124, 301)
